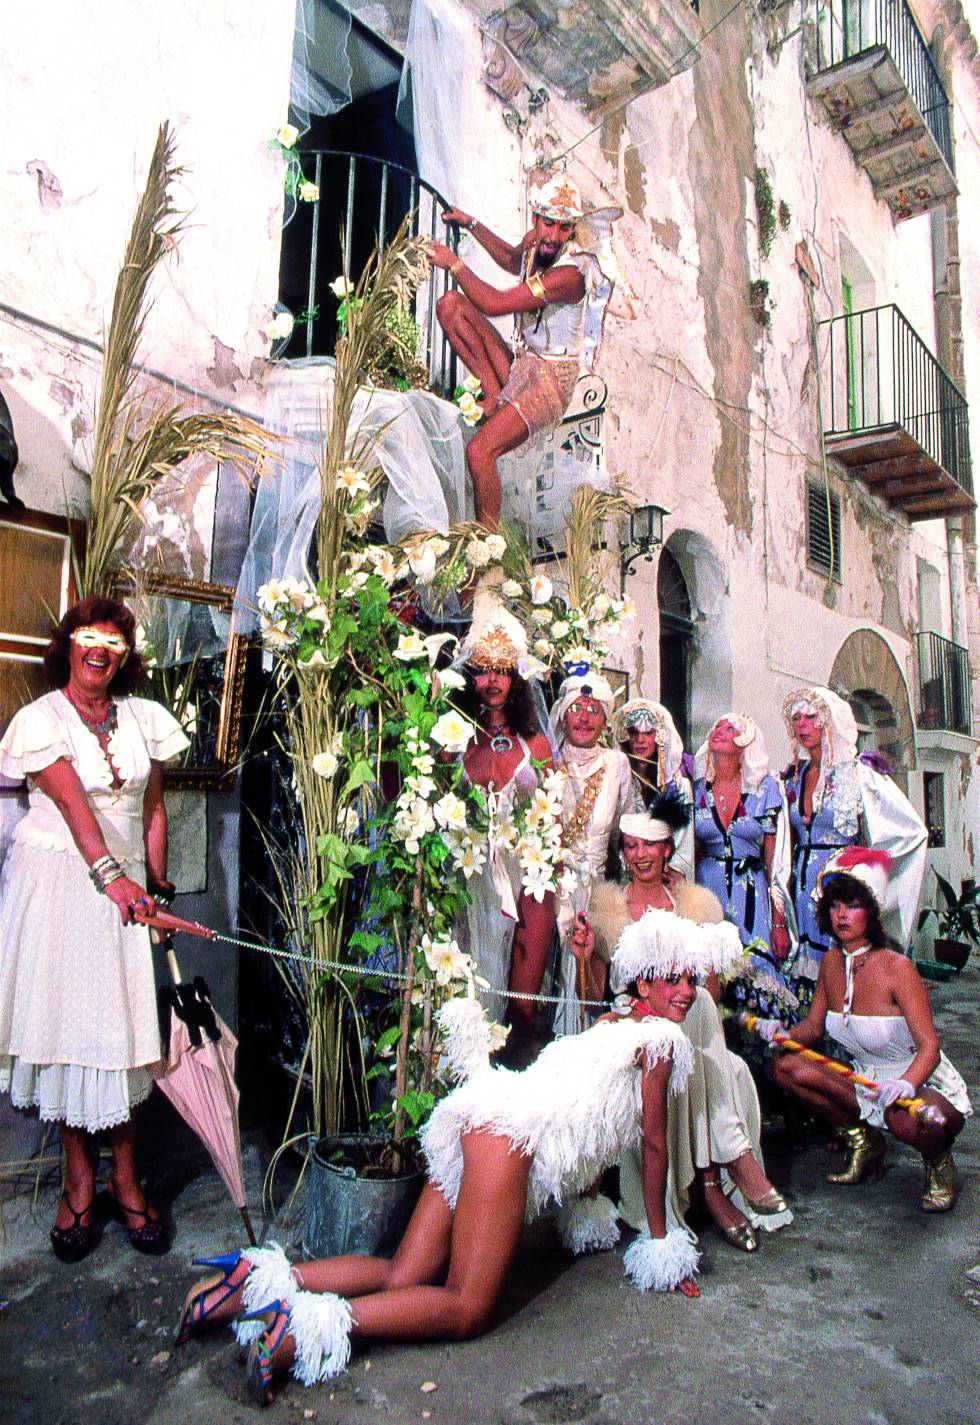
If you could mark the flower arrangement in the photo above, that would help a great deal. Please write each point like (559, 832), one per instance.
(467, 396)
(533, 833)
(395, 360)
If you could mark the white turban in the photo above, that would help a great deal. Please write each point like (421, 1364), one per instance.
(587, 685)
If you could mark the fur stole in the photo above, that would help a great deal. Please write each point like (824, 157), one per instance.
(610, 915)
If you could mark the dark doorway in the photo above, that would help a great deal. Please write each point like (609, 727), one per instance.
(676, 630)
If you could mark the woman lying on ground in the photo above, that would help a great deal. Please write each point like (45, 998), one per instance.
(715, 1122)
(873, 1002)
(498, 1148)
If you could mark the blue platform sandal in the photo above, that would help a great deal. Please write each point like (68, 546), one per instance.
(259, 1368)
(195, 1313)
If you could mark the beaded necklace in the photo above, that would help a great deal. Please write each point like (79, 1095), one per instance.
(575, 823)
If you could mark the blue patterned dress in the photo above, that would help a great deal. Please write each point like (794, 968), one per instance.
(730, 862)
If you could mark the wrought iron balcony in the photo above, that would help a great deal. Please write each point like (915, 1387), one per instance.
(879, 83)
(892, 415)
(363, 202)
(944, 684)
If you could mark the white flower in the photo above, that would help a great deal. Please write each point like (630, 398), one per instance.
(472, 384)
(445, 959)
(337, 743)
(342, 287)
(298, 594)
(410, 647)
(450, 812)
(529, 667)
(423, 762)
(540, 617)
(511, 589)
(468, 409)
(553, 783)
(435, 643)
(349, 821)
(421, 787)
(537, 887)
(386, 566)
(319, 614)
(567, 882)
(422, 562)
(477, 553)
(542, 648)
(449, 678)
(279, 327)
(600, 606)
(541, 589)
(315, 660)
(271, 595)
(532, 857)
(287, 135)
(559, 628)
(351, 481)
(470, 860)
(308, 192)
(359, 516)
(497, 1036)
(276, 634)
(578, 654)
(325, 764)
(453, 732)
(497, 545)
(627, 609)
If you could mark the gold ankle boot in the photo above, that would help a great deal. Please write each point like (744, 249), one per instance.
(940, 1193)
(865, 1154)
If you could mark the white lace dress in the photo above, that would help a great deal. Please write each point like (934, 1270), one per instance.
(78, 1015)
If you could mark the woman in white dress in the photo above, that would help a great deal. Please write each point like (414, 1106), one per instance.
(715, 1124)
(498, 1148)
(78, 1017)
(598, 789)
(872, 1001)
(508, 931)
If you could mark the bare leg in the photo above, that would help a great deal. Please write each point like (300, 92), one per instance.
(421, 1257)
(926, 1139)
(485, 1229)
(125, 1181)
(830, 1096)
(746, 1174)
(79, 1183)
(529, 955)
(476, 342)
(504, 430)
(723, 1211)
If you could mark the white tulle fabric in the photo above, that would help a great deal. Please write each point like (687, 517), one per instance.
(574, 1111)
(78, 1014)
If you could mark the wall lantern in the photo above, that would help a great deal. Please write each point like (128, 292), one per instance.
(646, 535)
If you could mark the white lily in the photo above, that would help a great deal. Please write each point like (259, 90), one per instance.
(410, 646)
(352, 481)
(541, 589)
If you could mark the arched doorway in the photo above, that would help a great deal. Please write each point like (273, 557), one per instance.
(676, 637)
(866, 673)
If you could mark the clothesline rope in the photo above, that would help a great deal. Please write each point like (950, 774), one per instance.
(367, 972)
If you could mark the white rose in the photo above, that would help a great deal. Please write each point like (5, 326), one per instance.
(559, 628)
(472, 384)
(497, 545)
(325, 764)
(308, 192)
(287, 135)
(541, 589)
(422, 562)
(467, 403)
(540, 617)
(453, 732)
(341, 287)
(478, 553)
(511, 589)
(450, 812)
(279, 327)
(542, 648)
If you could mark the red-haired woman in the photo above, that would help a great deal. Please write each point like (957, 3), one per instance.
(78, 1017)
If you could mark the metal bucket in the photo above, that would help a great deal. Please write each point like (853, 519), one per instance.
(347, 1213)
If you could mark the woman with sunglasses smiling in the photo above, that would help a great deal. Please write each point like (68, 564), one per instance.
(78, 1018)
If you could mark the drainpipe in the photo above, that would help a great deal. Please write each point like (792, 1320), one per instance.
(957, 580)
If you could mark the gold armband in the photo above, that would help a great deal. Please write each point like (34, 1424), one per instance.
(535, 286)
(456, 267)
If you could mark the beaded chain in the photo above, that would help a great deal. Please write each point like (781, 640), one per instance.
(574, 825)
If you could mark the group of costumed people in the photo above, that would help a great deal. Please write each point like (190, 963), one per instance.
(682, 886)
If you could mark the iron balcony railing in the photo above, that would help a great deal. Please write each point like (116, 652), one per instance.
(944, 684)
(363, 202)
(881, 373)
(847, 28)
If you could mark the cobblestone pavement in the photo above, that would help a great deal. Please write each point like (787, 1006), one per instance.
(862, 1311)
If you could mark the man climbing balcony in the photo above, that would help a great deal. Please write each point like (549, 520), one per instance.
(528, 384)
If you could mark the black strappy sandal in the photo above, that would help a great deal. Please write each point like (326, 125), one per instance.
(71, 1244)
(152, 1238)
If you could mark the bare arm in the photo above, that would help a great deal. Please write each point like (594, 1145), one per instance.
(505, 254)
(155, 826)
(60, 782)
(581, 942)
(810, 1030)
(913, 1001)
(540, 749)
(779, 941)
(654, 1145)
(562, 283)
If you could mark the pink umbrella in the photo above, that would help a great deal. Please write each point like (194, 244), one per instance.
(199, 1079)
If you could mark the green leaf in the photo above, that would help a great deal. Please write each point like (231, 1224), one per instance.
(361, 775)
(388, 1039)
(376, 1071)
(415, 1105)
(363, 697)
(365, 940)
(949, 895)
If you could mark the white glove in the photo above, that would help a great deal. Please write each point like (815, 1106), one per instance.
(891, 1089)
(767, 1029)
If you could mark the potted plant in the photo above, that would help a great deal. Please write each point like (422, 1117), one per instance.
(389, 833)
(957, 922)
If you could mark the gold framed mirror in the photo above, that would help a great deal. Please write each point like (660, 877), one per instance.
(196, 670)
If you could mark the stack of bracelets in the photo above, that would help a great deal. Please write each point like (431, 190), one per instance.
(104, 871)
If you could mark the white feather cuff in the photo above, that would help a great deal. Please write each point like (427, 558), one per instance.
(659, 1263)
(588, 1224)
(320, 1325)
(271, 1279)
(465, 1033)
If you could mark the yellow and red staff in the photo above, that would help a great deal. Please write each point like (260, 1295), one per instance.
(927, 1113)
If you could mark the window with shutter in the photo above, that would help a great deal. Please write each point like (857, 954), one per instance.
(823, 529)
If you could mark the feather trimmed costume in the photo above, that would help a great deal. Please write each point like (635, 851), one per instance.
(574, 1111)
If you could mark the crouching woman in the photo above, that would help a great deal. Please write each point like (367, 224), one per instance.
(499, 1148)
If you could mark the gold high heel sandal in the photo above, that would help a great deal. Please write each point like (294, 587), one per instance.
(865, 1149)
(940, 1186)
(769, 1204)
(742, 1235)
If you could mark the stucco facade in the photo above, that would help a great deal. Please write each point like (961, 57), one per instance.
(710, 414)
